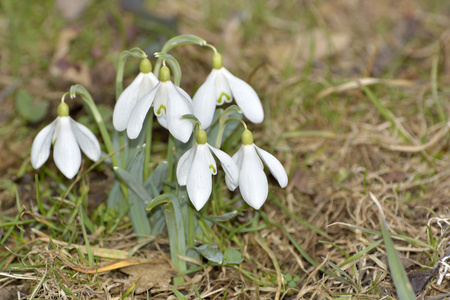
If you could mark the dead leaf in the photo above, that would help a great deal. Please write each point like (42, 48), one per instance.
(149, 275)
(420, 279)
(394, 176)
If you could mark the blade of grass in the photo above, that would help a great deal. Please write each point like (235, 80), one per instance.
(401, 282)
(298, 219)
(300, 249)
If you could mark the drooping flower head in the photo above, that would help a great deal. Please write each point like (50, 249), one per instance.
(67, 136)
(196, 167)
(252, 182)
(170, 103)
(141, 85)
(221, 86)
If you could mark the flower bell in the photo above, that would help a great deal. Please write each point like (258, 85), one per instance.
(141, 85)
(170, 103)
(67, 136)
(196, 167)
(252, 179)
(221, 86)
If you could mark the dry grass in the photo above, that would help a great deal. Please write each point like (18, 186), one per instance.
(309, 61)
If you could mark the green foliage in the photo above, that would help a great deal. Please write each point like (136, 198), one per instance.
(28, 111)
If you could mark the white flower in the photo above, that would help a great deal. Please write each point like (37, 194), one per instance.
(170, 103)
(141, 85)
(68, 136)
(196, 167)
(252, 179)
(222, 86)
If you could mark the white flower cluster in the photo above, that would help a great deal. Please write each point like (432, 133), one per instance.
(170, 103)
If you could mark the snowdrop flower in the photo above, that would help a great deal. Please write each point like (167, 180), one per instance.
(252, 179)
(222, 86)
(196, 167)
(141, 85)
(170, 103)
(68, 136)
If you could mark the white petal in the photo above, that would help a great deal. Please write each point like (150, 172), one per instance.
(204, 102)
(229, 166)
(139, 113)
(86, 140)
(177, 106)
(246, 98)
(66, 152)
(126, 102)
(274, 165)
(162, 120)
(252, 179)
(223, 91)
(149, 81)
(184, 165)
(210, 159)
(199, 182)
(40, 150)
(237, 158)
(161, 98)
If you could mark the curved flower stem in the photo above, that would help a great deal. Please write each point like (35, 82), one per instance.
(222, 124)
(78, 89)
(135, 52)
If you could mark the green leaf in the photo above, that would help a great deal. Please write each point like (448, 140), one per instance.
(137, 213)
(155, 181)
(31, 113)
(224, 217)
(401, 281)
(161, 199)
(210, 252)
(133, 184)
(177, 236)
(232, 257)
(179, 295)
(181, 40)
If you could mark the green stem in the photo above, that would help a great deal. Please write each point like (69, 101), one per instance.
(80, 90)
(170, 163)
(83, 229)
(434, 88)
(148, 147)
(191, 229)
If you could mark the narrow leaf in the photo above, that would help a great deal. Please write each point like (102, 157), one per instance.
(401, 282)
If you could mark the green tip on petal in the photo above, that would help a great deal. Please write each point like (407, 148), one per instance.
(145, 66)
(201, 137)
(63, 110)
(164, 74)
(217, 61)
(247, 137)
